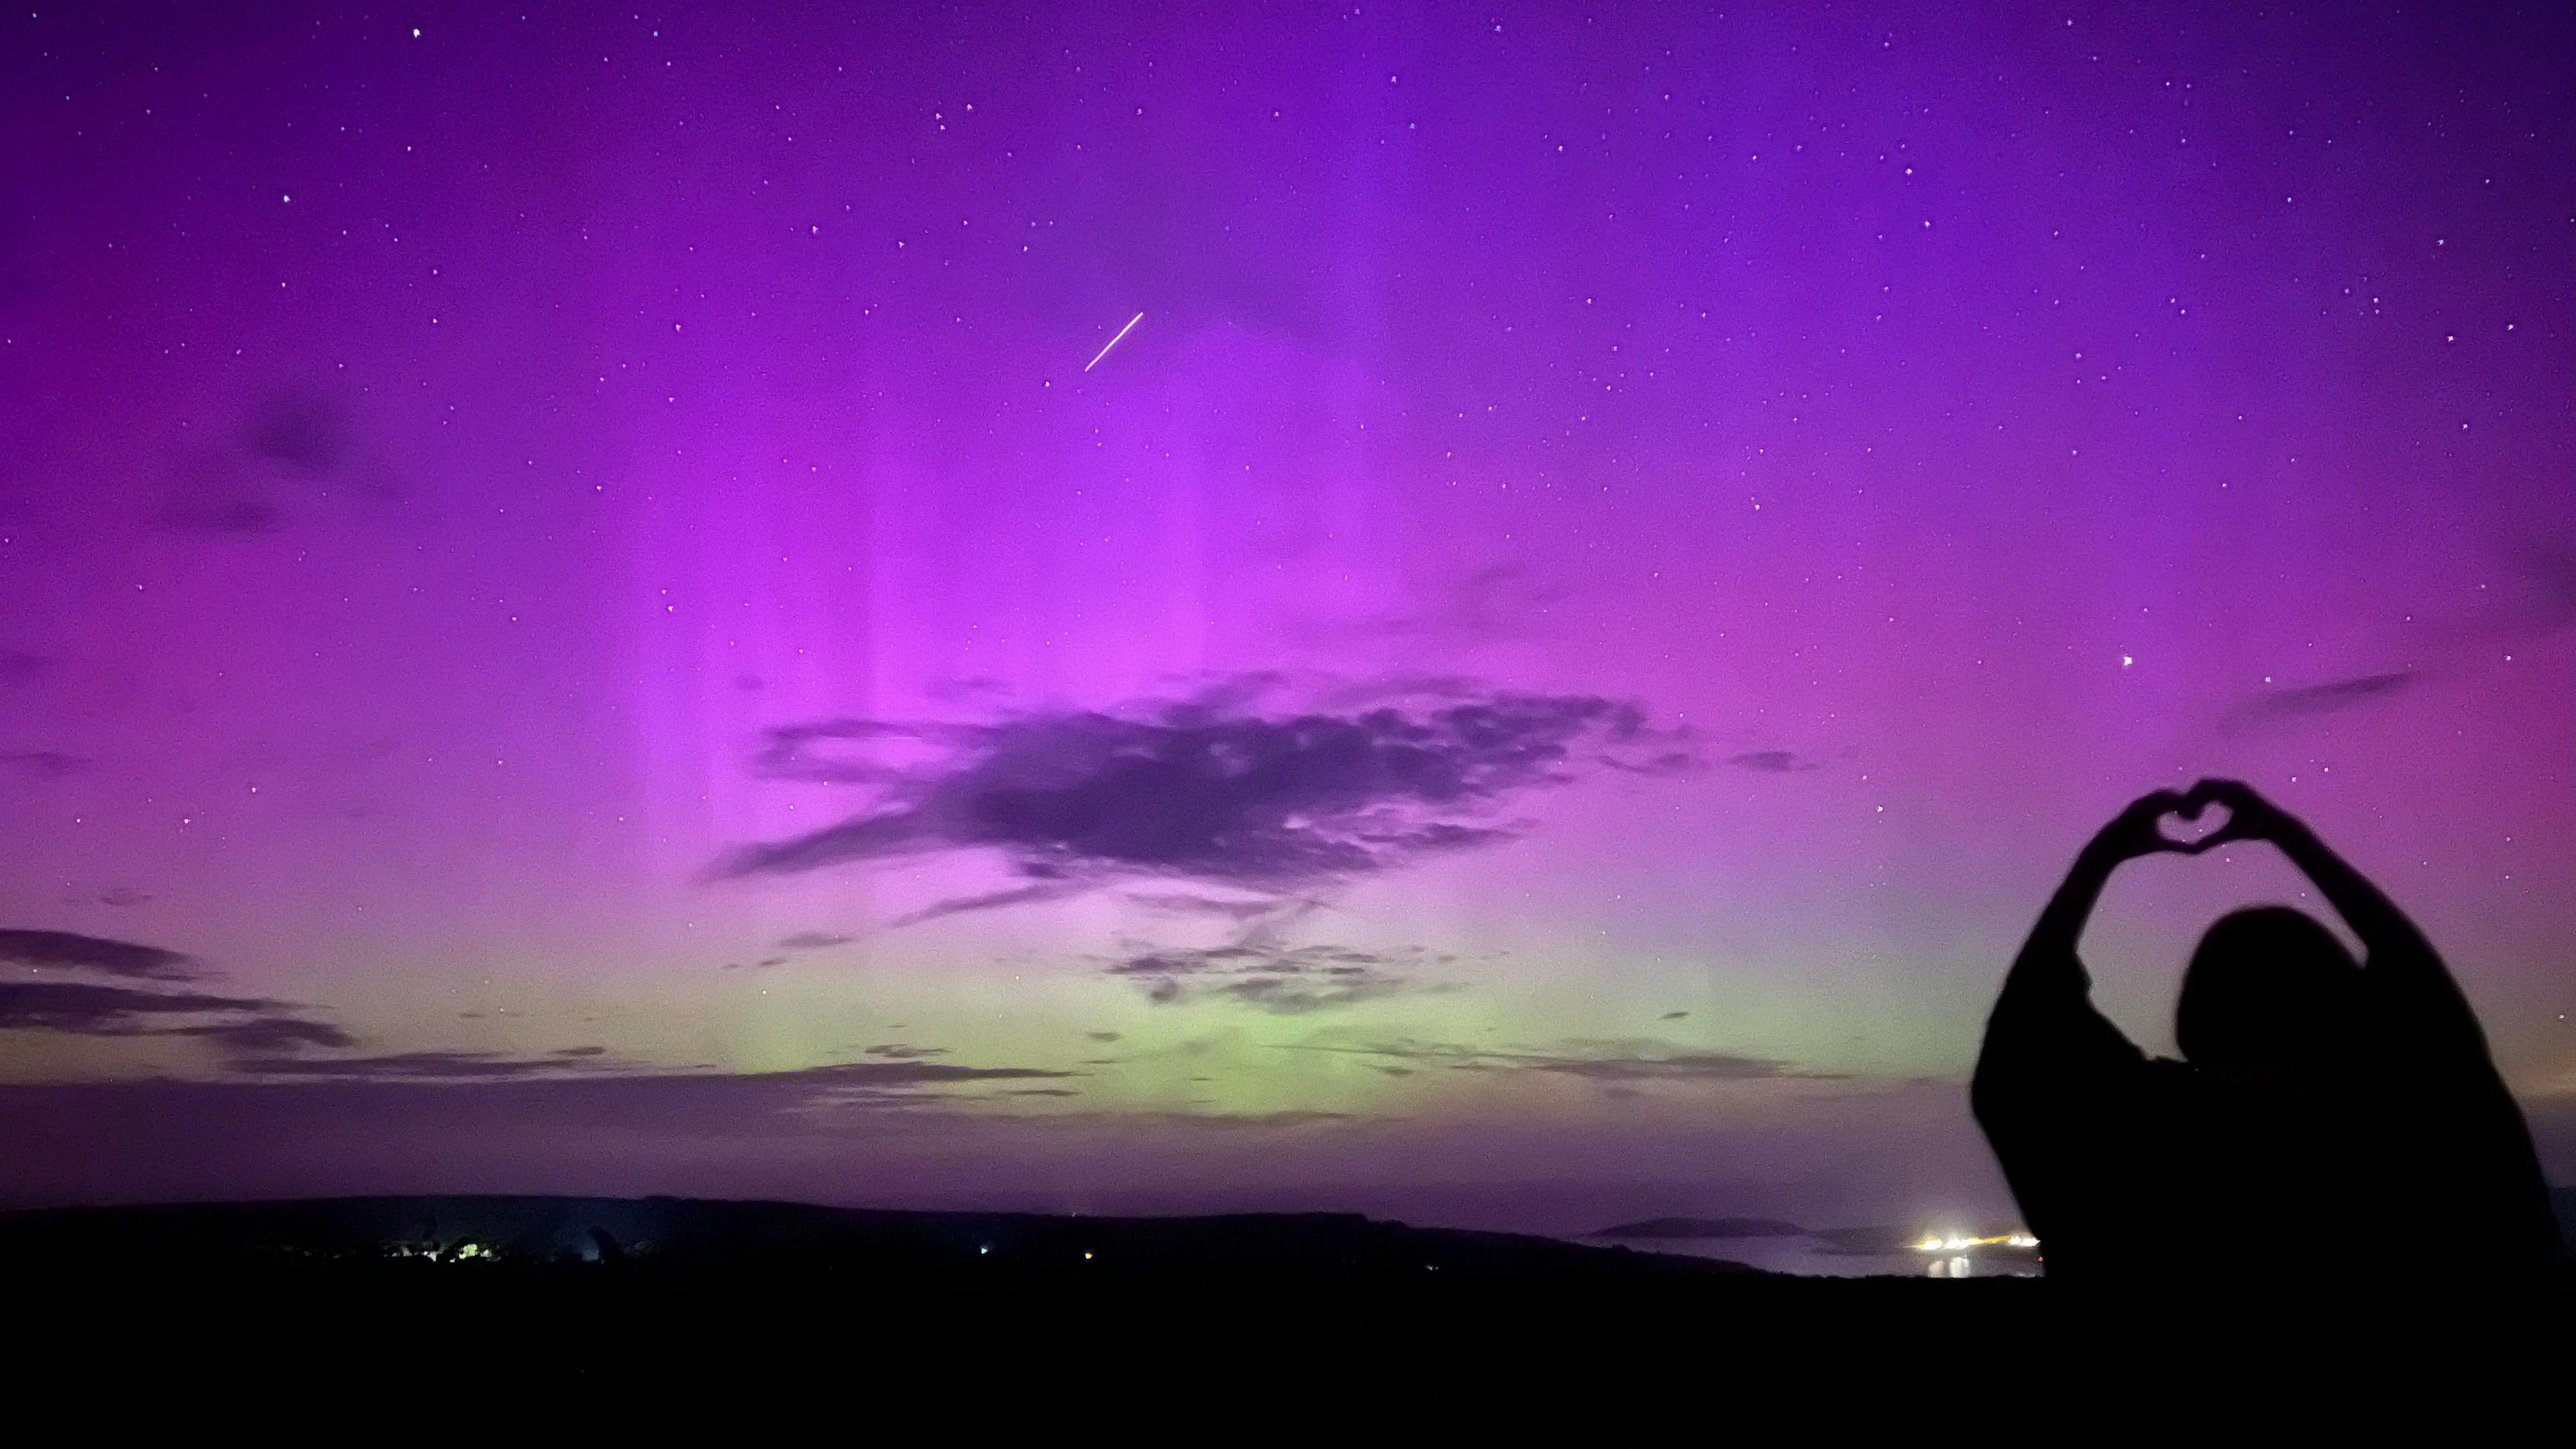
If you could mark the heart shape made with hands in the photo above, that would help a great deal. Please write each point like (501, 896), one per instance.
(2201, 822)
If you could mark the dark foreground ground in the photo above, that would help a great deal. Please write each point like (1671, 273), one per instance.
(1218, 1329)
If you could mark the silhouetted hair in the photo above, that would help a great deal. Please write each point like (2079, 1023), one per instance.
(2267, 984)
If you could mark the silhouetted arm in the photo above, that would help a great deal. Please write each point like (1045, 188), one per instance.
(2483, 1171)
(2045, 1035)
(2400, 962)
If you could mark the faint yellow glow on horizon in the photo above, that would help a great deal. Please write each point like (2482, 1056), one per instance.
(1958, 1242)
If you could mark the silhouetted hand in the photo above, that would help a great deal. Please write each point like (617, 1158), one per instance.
(2249, 815)
(2136, 830)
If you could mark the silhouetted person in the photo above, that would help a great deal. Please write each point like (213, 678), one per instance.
(2330, 1119)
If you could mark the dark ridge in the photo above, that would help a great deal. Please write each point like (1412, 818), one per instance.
(1227, 1329)
(531, 1232)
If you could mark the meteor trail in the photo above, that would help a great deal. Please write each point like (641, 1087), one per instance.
(1104, 351)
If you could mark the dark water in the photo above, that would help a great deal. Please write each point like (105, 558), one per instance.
(1815, 1258)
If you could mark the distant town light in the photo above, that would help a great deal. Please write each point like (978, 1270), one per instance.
(1959, 1242)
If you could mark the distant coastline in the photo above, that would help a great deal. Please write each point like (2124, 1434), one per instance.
(1703, 1228)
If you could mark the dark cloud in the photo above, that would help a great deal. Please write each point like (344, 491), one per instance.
(911, 1074)
(2548, 564)
(1102, 1036)
(123, 896)
(1291, 996)
(1671, 762)
(270, 1034)
(988, 900)
(1772, 762)
(838, 1082)
(2273, 706)
(90, 1009)
(814, 941)
(97, 953)
(897, 1051)
(1613, 1064)
(292, 449)
(1217, 1120)
(244, 1024)
(1286, 1117)
(22, 666)
(1200, 790)
(1239, 910)
(420, 1065)
(1282, 980)
(1673, 1015)
(307, 433)
(977, 688)
(48, 764)
(1678, 1066)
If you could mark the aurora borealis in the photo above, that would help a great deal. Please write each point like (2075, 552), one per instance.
(572, 620)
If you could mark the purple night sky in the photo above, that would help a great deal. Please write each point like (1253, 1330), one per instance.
(572, 618)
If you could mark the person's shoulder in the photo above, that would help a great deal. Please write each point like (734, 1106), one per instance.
(2170, 1084)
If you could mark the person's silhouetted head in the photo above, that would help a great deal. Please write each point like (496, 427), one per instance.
(2270, 987)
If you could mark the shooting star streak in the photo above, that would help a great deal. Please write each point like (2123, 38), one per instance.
(1104, 352)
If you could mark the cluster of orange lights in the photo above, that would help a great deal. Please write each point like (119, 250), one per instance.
(1957, 1243)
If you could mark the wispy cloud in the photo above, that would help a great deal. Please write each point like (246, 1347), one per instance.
(2547, 563)
(307, 433)
(1015, 896)
(47, 764)
(1282, 980)
(91, 1009)
(96, 953)
(269, 1034)
(291, 449)
(2273, 706)
(420, 1066)
(87, 1008)
(895, 1051)
(1622, 1061)
(1203, 790)
(814, 941)
(1772, 762)
(57, 999)
(1180, 903)
(1215, 1119)
(822, 1083)
(1497, 601)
